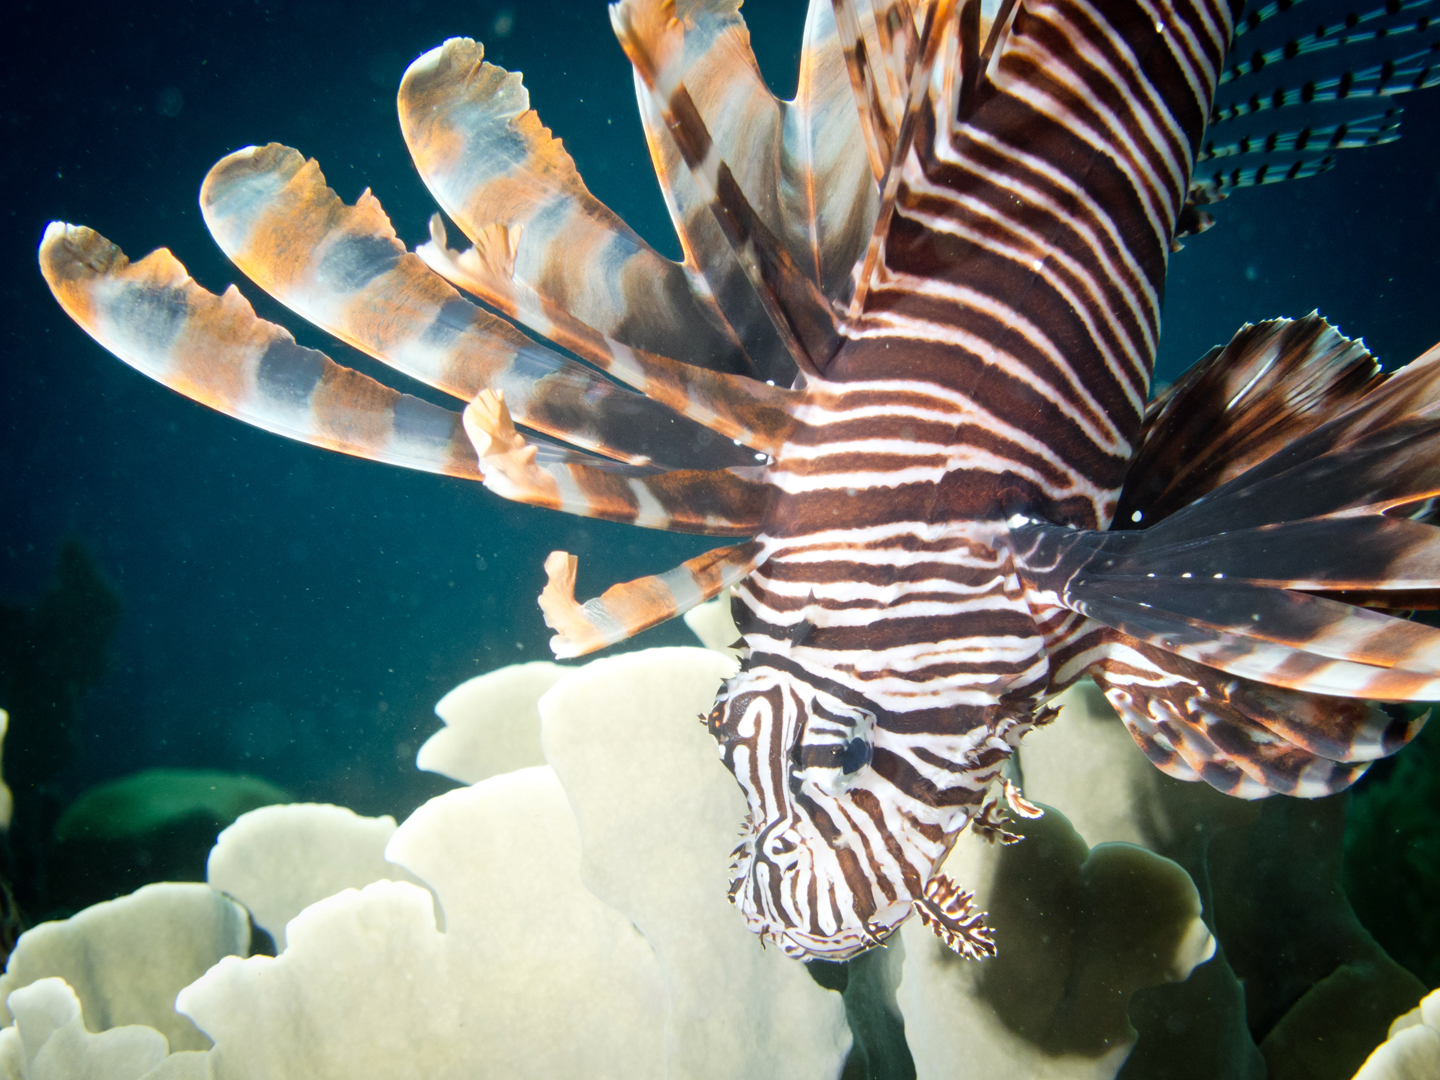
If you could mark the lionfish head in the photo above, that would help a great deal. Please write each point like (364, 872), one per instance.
(819, 872)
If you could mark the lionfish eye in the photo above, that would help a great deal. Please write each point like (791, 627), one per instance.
(849, 757)
(834, 747)
(855, 756)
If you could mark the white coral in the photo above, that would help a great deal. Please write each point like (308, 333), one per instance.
(1412, 1052)
(559, 920)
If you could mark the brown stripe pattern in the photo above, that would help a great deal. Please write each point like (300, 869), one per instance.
(906, 358)
(997, 374)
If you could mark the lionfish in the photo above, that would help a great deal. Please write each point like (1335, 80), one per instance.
(920, 302)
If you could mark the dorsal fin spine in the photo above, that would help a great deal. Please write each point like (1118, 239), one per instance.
(937, 21)
(653, 39)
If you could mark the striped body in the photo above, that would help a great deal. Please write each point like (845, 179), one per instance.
(891, 670)
(906, 361)
(998, 373)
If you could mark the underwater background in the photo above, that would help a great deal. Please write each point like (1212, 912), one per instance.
(179, 590)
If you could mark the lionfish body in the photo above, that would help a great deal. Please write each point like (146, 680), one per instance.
(949, 251)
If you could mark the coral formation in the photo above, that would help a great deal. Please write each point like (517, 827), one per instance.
(370, 984)
(126, 959)
(1299, 988)
(567, 919)
(279, 860)
(7, 799)
(49, 1041)
(492, 725)
(1411, 1051)
(657, 820)
(154, 825)
(1078, 930)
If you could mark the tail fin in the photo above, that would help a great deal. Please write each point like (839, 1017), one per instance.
(1221, 631)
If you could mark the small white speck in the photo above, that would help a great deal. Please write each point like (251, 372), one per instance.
(769, 382)
(1219, 576)
(762, 457)
(1159, 27)
(1037, 264)
(1186, 574)
(1149, 575)
(735, 441)
(1136, 516)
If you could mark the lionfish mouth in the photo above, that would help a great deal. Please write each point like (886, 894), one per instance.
(782, 903)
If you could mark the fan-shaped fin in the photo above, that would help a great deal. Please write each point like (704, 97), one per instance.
(1238, 735)
(937, 32)
(654, 40)
(624, 610)
(1274, 382)
(1218, 581)
(1274, 636)
(823, 204)
(827, 192)
(880, 44)
(1184, 718)
(1270, 157)
(718, 503)
(488, 160)
(343, 269)
(1395, 19)
(1382, 454)
(1137, 583)
(1370, 130)
(1217, 182)
(737, 407)
(214, 349)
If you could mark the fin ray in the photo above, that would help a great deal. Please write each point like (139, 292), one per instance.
(713, 503)
(342, 268)
(488, 160)
(735, 406)
(215, 350)
(626, 609)
(653, 38)
(1240, 736)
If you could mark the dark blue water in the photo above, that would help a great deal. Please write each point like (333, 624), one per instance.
(295, 614)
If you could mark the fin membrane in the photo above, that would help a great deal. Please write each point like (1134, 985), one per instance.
(1272, 383)
(489, 161)
(801, 165)
(214, 349)
(1242, 737)
(741, 409)
(342, 268)
(654, 40)
(1230, 580)
(716, 503)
